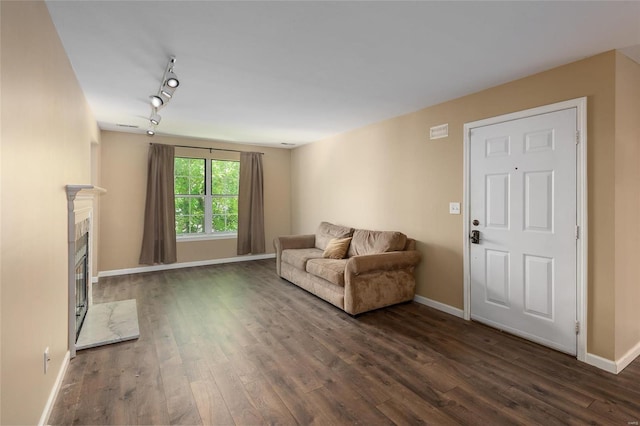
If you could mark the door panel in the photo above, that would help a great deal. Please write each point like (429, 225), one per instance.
(538, 286)
(497, 281)
(497, 205)
(522, 180)
(538, 201)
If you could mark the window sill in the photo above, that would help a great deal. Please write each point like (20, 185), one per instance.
(207, 237)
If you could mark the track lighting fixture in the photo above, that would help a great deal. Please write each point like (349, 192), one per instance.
(165, 94)
(172, 79)
(155, 118)
(156, 101)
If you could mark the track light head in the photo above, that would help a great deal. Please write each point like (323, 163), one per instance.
(150, 132)
(171, 79)
(155, 118)
(156, 101)
(167, 92)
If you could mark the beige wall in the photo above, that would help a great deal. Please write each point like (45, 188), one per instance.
(124, 176)
(389, 175)
(47, 130)
(627, 202)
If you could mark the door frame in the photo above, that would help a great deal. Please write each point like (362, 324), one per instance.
(581, 206)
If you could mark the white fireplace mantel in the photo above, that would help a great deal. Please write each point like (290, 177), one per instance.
(80, 200)
(84, 190)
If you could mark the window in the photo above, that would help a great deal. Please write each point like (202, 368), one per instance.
(206, 196)
(189, 195)
(224, 195)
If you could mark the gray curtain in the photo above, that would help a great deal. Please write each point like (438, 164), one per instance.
(159, 238)
(251, 204)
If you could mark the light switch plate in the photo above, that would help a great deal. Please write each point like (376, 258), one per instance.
(454, 208)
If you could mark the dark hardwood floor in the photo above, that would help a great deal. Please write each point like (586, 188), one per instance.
(235, 344)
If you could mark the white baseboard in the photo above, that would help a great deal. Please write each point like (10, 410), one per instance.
(439, 306)
(614, 367)
(155, 268)
(628, 358)
(44, 418)
(601, 363)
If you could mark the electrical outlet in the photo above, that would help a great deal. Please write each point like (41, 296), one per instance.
(46, 359)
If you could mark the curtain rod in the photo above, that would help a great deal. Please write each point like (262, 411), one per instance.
(210, 149)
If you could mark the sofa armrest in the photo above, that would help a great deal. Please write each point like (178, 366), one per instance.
(374, 281)
(294, 242)
(291, 242)
(383, 262)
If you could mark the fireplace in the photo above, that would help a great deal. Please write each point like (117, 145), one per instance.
(82, 280)
(103, 323)
(80, 205)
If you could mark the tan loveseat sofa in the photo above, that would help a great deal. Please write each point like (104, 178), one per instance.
(378, 269)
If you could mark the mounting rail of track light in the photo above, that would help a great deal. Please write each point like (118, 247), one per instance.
(165, 93)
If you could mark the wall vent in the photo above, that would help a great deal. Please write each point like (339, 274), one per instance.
(437, 132)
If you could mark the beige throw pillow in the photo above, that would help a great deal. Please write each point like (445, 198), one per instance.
(337, 248)
(326, 231)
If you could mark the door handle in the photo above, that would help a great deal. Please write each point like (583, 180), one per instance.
(475, 237)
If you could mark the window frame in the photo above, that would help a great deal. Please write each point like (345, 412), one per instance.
(208, 233)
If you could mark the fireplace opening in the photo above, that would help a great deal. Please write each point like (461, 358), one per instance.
(82, 279)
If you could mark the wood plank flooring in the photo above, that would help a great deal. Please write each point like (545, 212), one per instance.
(235, 344)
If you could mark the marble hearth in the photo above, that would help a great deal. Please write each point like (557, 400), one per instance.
(108, 323)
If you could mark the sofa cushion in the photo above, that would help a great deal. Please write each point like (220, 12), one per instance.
(299, 257)
(337, 248)
(331, 270)
(327, 231)
(372, 242)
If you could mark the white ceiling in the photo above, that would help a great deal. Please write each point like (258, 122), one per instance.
(295, 72)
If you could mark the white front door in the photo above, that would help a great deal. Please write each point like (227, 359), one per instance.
(522, 194)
